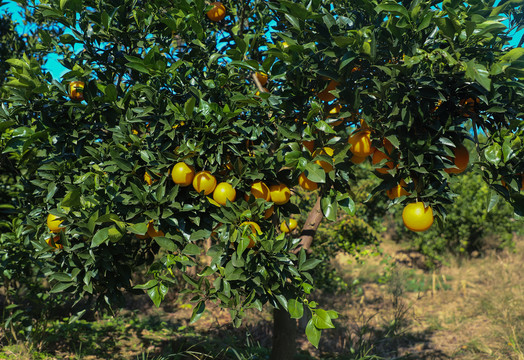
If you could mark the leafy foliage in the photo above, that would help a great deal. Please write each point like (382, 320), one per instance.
(469, 227)
(164, 84)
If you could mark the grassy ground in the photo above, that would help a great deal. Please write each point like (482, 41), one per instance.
(467, 312)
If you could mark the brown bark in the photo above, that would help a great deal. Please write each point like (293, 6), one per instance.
(311, 225)
(285, 328)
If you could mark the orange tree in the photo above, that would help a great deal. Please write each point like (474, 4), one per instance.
(240, 93)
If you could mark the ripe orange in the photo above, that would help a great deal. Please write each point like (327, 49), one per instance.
(76, 90)
(152, 232)
(417, 217)
(361, 143)
(269, 212)
(324, 164)
(182, 174)
(333, 111)
(223, 192)
(204, 181)
(306, 183)
(148, 179)
(255, 228)
(262, 78)
(461, 160)
(358, 159)
(288, 226)
(468, 106)
(279, 193)
(53, 241)
(260, 191)
(218, 12)
(309, 144)
(54, 224)
(397, 191)
(378, 156)
(522, 182)
(325, 94)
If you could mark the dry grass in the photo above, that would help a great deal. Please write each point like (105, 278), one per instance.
(476, 312)
(470, 311)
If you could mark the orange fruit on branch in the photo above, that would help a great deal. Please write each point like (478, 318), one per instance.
(397, 191)
(53, 223)
(152, 232)
(324, 164)
(307, 184)
(53, 241)
(76, 90)
(417, 217)
(461, 160)
(204, 182)
(288, 225)
(262, 78)
(279, 193)
(260, 191)
(218, 12)
(255, 229)
(309, 145)
(361, 143)
(223, 192)
(325, 94)
(182, 174)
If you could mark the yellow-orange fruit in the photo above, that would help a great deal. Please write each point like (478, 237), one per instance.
(306, 183)
(218, 12)
(461, 160)
(417, 217)
(324, 164)
(279, 193)
(361, 143)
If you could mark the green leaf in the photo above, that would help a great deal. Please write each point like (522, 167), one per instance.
(72, 198)
(100, 237)
(191, 249)
(138, 67)
(147, 285)
(60, 287)
(155, 295)
(446, 25)
(189, 106)
(512, 55)
(166, 243)
(396, 9)
(315, 173)
(198, 311)
(322, 320)
(60, 276)
(329, 208)
(312, 333)
(346, 203)
(478, 73)
(295, 308)
(309, 264)
(493, 200)
(493, 154)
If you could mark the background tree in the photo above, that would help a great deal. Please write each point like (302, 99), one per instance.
(163, 83)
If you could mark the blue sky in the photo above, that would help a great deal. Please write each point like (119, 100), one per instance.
(57, 70)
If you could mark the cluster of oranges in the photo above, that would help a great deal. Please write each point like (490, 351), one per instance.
(54, 225)
(416, 216)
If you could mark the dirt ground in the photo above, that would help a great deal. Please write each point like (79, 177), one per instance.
(467, 311)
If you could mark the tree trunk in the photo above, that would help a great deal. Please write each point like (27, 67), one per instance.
(284, 336)
(285, 328)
